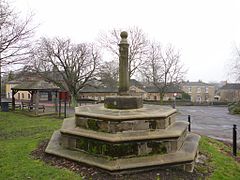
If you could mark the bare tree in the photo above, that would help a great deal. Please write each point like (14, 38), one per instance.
(163, 68)
(109, 73)
(69, 66)
(137, 46)
(15, 34)
(235, 67)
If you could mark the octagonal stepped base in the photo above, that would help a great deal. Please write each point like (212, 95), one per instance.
(123, 145)
(141, 142)
(184, 157)
(125, 140)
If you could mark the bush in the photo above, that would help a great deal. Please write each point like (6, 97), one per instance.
(234, 108)
(186, 96)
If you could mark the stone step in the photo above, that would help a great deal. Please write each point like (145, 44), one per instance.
(174, 131)
(147, 112)
(184, 156)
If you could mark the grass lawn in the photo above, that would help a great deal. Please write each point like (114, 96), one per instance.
(20, 135)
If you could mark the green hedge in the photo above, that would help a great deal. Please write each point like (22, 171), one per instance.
(234, 108)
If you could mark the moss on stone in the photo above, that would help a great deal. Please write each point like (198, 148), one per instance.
(157, 147)
(109, 106)
(120, 150)
(92, 124)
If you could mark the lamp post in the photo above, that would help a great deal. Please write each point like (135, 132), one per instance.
(174, 104)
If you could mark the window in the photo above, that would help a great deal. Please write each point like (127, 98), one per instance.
(29, 96)
(189, 89)
(22, 95)
(206, 98)
(206, 89)
(198, 90)
(199, 99)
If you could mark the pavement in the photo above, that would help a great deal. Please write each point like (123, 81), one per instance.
(211, 121)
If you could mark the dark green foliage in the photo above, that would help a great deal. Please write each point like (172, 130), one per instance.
(234, 108)
(186, 96)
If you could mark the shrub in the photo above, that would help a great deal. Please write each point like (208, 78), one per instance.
(234, 108)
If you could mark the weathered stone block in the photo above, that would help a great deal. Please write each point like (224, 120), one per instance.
(123, 102)
(140, 125)
(143, 149)
(103, 126)
(64, 141)
(81, 121)
(189, 167)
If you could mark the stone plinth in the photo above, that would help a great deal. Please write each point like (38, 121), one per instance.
(123, 102)
(109, 138)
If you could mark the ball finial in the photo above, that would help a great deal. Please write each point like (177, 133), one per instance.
(124, 35)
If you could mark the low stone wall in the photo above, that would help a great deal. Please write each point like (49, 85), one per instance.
(187, 103)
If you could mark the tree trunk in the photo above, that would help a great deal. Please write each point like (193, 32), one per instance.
(74, 100)
(161, 98)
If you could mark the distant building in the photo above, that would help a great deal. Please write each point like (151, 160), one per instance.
(97, 93)
(199, 91)
(25, 89)
(147, 92)
(230, 92)
(21, 95)
(152, 93)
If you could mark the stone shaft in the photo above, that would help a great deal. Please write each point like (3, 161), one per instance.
(123, 68)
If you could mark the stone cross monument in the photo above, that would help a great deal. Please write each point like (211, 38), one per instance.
(123, 136)
(124, 100)
(123, 65)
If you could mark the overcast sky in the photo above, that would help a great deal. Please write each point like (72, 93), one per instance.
(205, 31)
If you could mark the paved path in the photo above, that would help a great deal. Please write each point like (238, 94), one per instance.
(211, 121)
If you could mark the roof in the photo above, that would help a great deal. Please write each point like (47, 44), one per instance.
(231, 86)
(169, 89)
(36, 85)
(108, 89)
(99, 89)
(198, 83)
(134, 82)
(13, 82)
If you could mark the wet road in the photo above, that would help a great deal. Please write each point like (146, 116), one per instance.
(210, 121)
